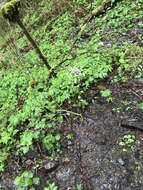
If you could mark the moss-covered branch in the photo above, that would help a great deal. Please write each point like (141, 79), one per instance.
(105, 4)
(10, 10)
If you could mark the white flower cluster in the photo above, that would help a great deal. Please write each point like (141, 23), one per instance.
(75, 72)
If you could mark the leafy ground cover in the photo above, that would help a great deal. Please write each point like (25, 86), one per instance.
(34, 106)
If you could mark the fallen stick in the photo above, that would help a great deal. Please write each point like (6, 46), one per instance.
(132, 124)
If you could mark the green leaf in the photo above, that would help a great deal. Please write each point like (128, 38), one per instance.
(25, 174)
(69, 136)
(17, 180)
(122, 60)
(5, 137)
(32, 188)
(121, 143)
(105, 93)
(140, 105)
(27, 181)
(57, 137)
(36, 180)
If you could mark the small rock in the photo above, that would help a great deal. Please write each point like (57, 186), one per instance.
(50, 166)
(121, 161)
(72, 35)
(29, 162)
(69, 143)
(101, 44)
(117, 187)
(64, 174)
(137, 142)
(105, 185)
(109, 45)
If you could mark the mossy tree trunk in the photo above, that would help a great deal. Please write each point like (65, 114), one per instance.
(32, 42)
(10, 11)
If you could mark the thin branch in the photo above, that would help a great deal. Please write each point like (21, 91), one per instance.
(70, 112)
(32, 42)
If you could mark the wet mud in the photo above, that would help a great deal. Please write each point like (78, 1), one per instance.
(95, 159)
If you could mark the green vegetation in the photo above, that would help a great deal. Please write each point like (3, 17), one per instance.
(79, 187)
(127, 141)
(50, 186)
(32, 102)
(106, 94)
(26, 181)
(140, 105)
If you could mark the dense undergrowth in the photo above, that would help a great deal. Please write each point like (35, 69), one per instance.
(32, 105)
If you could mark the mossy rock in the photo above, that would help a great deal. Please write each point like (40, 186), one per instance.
(10, 10)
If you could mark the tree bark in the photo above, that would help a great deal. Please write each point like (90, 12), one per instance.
(32, 42)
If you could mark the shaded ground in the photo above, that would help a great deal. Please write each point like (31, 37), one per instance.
(96, 159)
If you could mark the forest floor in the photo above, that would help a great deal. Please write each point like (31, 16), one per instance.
(95, 159)
(101, 145)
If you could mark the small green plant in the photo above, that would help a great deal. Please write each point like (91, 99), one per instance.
(69, 136)
(51, 142)
(79, 187)
(109, 99)
(138, 167)
(129, 108)
(127, 141)
(126, 102)
(26, 181)
(116, 79)
(140, 106)
(106, 94)
(130, 62)
(116, 110)
(50, 186)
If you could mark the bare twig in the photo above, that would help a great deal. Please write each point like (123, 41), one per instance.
(137, 95)
(70, 112)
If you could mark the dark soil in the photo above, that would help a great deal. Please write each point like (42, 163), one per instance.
(95, 158)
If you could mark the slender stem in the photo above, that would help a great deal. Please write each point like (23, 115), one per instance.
(70, 112)
(32, 42)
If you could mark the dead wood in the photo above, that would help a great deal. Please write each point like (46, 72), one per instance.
(132, 124)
